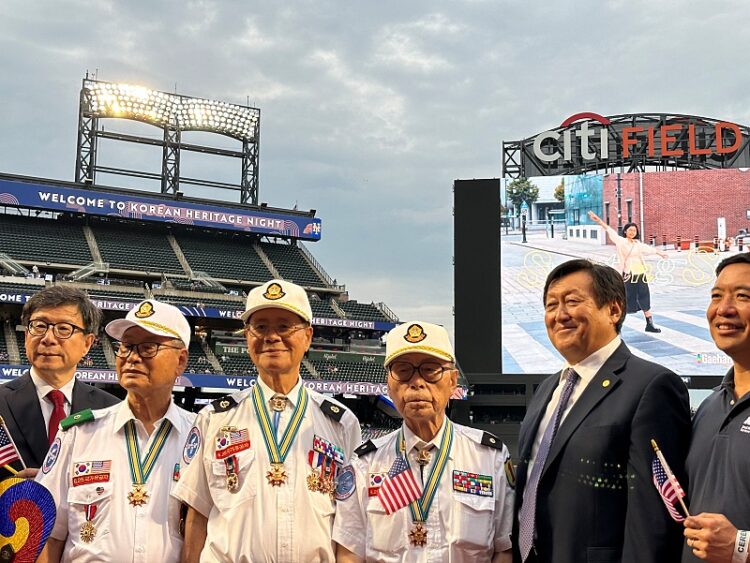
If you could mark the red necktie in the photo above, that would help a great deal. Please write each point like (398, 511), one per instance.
(58, 412)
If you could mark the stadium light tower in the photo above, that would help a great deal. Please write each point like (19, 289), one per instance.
(173, 113)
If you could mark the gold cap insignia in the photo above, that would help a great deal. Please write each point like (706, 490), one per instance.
(145, 310)
(274, 292)
(415, 333)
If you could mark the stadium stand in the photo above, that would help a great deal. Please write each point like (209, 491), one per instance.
(43, 241)
(223, 256)
(362, 311)
(139, 249)
(197, 361)
(322, 308)
(11, 287)
(292, 265)
(349, 371)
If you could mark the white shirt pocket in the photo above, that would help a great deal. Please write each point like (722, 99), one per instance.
(223, 497)
(473, 520)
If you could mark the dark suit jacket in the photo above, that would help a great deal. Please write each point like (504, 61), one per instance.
(596, 500)
(20, 408)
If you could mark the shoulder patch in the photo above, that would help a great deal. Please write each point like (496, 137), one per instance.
(223, 404)
(489, 439)
(332, 410)
(365, 448)
(77, 418)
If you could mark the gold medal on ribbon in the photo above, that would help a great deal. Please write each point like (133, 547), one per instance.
(312, 482)
(88, 532)
(418, 535)
(138, 495)
(276, 476)
(233, 483)
(278, 403)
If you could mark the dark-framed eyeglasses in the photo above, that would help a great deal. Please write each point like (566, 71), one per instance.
(261, 330)
(145, 349)
(62, 330)
(431, 372)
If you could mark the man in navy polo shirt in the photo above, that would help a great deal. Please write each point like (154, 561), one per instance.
(718, 463)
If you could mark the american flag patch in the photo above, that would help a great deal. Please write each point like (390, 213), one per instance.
(472, 483)
(86, 472)
(231, 442)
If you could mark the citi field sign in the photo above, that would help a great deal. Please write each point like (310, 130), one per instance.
(586, 142)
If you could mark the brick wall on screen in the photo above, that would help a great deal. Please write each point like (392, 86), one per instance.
(685, 203)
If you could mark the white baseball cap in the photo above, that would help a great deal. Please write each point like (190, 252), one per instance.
(155, 317)
(418, 336)
(281, 294)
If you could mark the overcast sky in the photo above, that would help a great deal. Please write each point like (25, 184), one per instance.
(370, 110)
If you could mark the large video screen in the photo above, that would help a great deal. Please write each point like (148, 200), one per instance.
(690, 219)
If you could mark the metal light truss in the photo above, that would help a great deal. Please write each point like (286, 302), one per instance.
(173, 113)
(519, 160)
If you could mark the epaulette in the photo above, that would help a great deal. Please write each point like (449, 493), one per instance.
(365, 448)
(332, 410)
(489, 439)
(224, 404)
(77, 418)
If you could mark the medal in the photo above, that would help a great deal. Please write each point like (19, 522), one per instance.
(141, 470)
(233, 482)
(138, 495)
(276, 476)
(420, 508)
(278, 450)
(312, 482)
(418, 535)
(88, 531)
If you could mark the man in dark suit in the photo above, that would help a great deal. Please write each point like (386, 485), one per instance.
(61, 323)
(584, 483)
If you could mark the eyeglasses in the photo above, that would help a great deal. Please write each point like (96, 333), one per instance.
(261, 330)
(431, 372)
(61, 330)
(145, 349)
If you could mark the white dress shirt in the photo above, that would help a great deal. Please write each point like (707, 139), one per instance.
(124, 533)
(586, 370)
(42, 388)
(259, 522)
(461, 527)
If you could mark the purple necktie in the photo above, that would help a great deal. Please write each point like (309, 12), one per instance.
(527, 517)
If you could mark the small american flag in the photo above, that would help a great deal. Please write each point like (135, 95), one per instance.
(670, 493)
(8, 451)
(400, 487)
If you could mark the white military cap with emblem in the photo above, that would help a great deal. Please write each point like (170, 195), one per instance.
(418, 336)
(280, 294)
(155, 317)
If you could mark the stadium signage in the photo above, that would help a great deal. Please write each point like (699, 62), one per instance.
(324, 356)
(209, 312)
(659, 141)
(135, 206)
(588, 141)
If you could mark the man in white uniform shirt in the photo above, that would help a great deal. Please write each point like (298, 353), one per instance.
(111, 470)
(261, 465)
(465, 509)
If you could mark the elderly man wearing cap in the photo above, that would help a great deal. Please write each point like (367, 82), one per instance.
(262, 464)
(111, 470)
(432, 490)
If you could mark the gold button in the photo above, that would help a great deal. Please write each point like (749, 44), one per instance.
(605, 383)
(335, 409)
(224, 404)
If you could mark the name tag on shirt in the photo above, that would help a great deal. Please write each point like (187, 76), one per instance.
(231, 441)
(472, 483)
(87, 472)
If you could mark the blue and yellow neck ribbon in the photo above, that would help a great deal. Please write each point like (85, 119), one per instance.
(278, 450)
(140, 470)
(420, 508)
